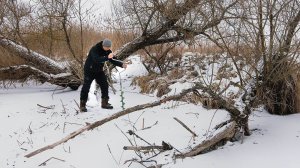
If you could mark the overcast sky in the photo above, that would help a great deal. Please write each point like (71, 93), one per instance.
(103, 6)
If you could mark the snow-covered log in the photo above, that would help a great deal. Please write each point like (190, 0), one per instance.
(39, 67)
(35, 59)
(24, 72)
(222, 136)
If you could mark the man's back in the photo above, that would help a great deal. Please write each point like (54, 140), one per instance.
(96, 58)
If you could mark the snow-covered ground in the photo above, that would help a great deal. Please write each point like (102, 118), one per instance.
(24, 127)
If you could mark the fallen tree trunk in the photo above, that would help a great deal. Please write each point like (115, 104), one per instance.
(22, 73)
(25, 72)
(39, 67)
(35, 59)
(211, 143)
(114, 116)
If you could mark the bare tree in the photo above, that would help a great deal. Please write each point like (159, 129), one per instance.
(265, 35)
(55, 17)
(159, 57)
(262, 33)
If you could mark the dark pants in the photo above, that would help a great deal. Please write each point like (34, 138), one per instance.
(101, 79)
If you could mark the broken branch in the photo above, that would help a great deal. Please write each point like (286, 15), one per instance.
(207, 145)
(45, 162)
(186, 127)
(143, 148)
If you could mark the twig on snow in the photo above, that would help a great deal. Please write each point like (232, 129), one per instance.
(112, 154)
(64, 108)
(65, 123)
(186, 127)
(47, 107)
(45, 162)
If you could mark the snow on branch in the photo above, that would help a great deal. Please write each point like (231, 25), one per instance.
(24, 72)
(39, 61)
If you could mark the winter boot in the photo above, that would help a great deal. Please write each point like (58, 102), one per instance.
(105, 104)
(82, 106)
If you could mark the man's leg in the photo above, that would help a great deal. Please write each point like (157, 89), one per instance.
(88, 79)
(101, 79)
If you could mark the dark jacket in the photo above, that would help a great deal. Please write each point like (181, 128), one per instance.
(96, 58)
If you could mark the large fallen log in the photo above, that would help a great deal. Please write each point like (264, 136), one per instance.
(112, 117)
(207, 145)
(41, 67)
(22, 73)
(35, 59)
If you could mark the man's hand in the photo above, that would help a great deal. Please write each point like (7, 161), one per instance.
(111, 55)
(124, 65)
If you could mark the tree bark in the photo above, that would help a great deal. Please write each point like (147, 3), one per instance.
(35, 59)
(207, 145)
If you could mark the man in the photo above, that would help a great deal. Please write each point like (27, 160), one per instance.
(93, 69)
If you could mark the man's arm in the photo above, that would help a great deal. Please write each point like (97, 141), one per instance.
(116, 62)
(97, 58)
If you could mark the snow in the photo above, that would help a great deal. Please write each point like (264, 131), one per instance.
(61, 75)
(274, 144)
(25, 127)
